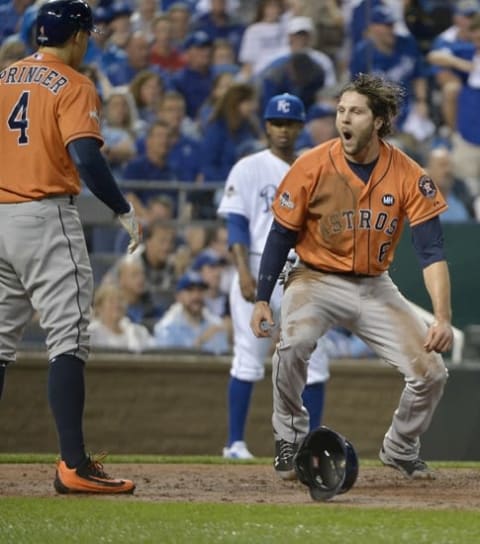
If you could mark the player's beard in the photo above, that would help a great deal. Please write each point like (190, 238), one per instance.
(358, 142)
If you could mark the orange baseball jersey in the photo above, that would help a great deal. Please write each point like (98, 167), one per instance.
(44, 105)
(344, 224)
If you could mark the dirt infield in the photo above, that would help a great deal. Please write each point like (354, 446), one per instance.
(254, 484)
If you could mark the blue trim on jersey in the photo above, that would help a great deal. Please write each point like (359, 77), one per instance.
(427, 239)
(279, 242)
(96, 173)
(238, 231)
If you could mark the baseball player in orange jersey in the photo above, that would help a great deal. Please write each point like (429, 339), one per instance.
(342, 206)
(49, 128)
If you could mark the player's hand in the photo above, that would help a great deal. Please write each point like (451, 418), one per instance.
(439, 337)
(248, 286)
(133, 227)
(261, 322)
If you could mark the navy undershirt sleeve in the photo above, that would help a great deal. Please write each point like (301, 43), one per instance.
(96, 174)
(279, 242)
(427, 239)
(238, 231)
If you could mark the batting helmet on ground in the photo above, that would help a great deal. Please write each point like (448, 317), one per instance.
(57, 20)
(327, 463)
(285, 106)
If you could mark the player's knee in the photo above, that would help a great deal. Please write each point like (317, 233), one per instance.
(300, 348)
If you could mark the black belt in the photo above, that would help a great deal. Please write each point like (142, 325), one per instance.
(347, 273)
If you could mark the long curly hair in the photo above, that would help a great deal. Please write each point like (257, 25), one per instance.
(384, 98)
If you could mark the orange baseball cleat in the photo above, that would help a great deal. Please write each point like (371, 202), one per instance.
(89, 477)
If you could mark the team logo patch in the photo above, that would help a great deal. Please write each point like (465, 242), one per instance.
(94, 115)
(427, 187)
(230, 191)
(388, 200)
(285, 201)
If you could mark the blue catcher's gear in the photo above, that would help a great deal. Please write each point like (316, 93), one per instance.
(57, 20)
(327, 463)
(285, 106)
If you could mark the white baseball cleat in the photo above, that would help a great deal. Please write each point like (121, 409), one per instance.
(238, 450)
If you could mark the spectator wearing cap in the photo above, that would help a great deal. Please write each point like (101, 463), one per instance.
(188, 324)
(397, 58)
(194, 81)
(300, 69)
(210, 266)
(319, 127)
(137, 58)
(219, 24)
(455, 38)
(119, 25)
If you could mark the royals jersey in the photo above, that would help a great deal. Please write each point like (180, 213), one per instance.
(44, 105)
(344, 224)
(249, 191)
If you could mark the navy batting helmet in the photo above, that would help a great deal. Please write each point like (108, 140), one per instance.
(285, 106)
(327, 463)
(57, 20)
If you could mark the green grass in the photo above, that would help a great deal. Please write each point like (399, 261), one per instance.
(79, 520)
(127, 520)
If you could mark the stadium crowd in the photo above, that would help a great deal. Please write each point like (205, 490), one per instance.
(184, 85)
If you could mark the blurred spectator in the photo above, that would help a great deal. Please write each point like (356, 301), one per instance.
(179, 14)
(98, 78)
(465, 59)
(118, 131)
(157, 256)
(300, 70)
(217, 243)
(328, 19)
(223, 58)
(151, 166)
(188, 323)
(162, 52)
(143, 16)
(111, 328)
(123, 70)
(27, 30)
(448, 80)
(456, 192)
(11, 50)
(119, 26)
(140, 307)
(194, 81)
(184, 157)
(398, 59)
(319, 127)
(11, 14)
(264, 39)
(221, 83)
(234, 120)
(208, 264)
(194, 240)
(218, 23)
(147, 89)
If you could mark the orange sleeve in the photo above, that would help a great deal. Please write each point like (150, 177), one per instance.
(79, 113)
(423, 199)
(290, 204)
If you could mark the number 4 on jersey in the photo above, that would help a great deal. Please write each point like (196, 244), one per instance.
(18, 119)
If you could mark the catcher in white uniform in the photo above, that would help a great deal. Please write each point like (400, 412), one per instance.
(246, 205)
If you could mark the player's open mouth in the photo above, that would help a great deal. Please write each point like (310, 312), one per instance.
(347, 134)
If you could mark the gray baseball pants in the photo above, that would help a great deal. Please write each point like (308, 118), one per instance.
(44, 268)
(375, 310)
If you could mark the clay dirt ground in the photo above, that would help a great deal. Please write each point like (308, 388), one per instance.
(257, 484)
